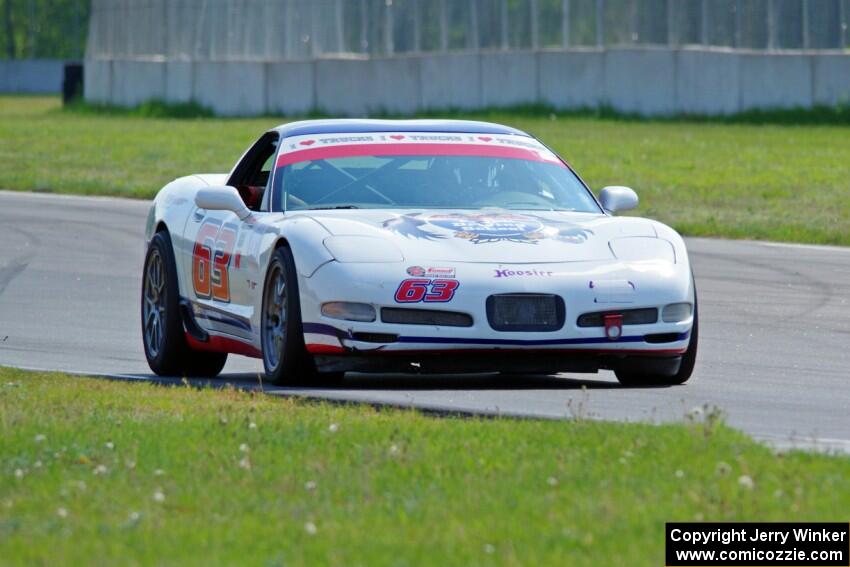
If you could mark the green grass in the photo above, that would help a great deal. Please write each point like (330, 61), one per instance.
(752, 176)
(101, 472)
(149, 109)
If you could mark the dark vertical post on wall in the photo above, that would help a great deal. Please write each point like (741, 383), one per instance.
(804, 22)
(164, 30)
(600, 23)
(565, 23)
(739, 30)
(198, 44)
(287, 30)
(704, 23)
(364, 27)
(671, 23)
(472, 37)
(389, 28)
(444, 26)
(503, 23)
(634, 34)
(417, 26)
(771, 24)
(535, 24)
(338, 26)
(314, 30)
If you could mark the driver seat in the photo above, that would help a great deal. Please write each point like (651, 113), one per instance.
(251, 195)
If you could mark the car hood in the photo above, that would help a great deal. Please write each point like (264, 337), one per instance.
(490, 236)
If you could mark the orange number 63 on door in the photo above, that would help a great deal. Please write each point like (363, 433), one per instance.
(211, 261)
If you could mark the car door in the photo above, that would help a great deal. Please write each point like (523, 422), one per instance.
(224, 279)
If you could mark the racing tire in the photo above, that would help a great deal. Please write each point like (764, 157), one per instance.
(285, 358)
(686, 368)
(163, 336)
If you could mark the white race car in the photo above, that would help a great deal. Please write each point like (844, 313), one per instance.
(411, 246)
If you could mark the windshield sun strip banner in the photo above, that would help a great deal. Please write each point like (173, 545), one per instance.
(310, 148)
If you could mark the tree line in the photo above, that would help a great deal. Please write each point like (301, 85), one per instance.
(35, 29)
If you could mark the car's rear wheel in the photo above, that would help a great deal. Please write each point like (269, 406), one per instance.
(285, 358)
(635, 377)
(164, 340)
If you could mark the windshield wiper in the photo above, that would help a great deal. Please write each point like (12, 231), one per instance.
(334, 207)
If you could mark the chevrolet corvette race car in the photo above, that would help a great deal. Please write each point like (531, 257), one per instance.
(411, 246)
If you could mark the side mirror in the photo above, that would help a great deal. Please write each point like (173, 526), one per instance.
(222, 198)
(616, 198)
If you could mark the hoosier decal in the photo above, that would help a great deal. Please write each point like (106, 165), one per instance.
(522, 273)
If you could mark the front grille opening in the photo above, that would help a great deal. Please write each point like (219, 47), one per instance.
(375, 337)
(659, 338)
(402, 316)
(646, 316)
(526, 312)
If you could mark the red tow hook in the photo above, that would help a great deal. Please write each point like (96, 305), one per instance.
(613, 326)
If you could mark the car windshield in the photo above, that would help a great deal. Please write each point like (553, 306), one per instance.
(455, 175)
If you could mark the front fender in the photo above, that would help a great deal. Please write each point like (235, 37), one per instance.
(303, 235)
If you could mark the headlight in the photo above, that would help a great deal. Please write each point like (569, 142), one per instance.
(349, 311)
(642, 249)
(676, 312)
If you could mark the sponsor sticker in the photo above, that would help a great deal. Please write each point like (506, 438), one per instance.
(535, 273)
(430, 272)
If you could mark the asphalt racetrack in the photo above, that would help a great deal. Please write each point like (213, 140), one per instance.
(774, 335)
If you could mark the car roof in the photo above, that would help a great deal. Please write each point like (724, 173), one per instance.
(354, 125)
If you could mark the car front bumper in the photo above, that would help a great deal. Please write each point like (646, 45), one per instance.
(376, 345)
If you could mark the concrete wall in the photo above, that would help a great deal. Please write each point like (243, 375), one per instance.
(179, 81)
(97, 80)
(363, 86)
(640, 81)
(31, 76)
(780, 81)
(290, 87)
(707, 82)
(571, 79)
(509, 78)
(450, 80)
(134, 82)
(649, 81)
(831, 78)
(230, 88)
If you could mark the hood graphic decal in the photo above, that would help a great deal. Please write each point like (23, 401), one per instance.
(486, 228)
(410, 226)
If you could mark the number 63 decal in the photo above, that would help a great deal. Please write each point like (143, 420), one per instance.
(211, 261)
(427, 290)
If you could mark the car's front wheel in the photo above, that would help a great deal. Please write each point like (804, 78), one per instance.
(634, 377)
(166, 349)
(285, 357)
